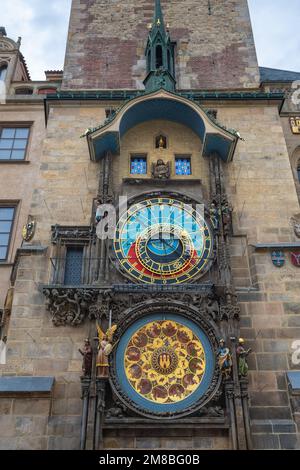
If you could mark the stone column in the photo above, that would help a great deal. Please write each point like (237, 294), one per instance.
(103, 196)
(229, 391)
(100, 407)
(245, 405)
(239, 416)
(85, 387)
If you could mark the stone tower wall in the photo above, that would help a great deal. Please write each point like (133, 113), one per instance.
(107, 39)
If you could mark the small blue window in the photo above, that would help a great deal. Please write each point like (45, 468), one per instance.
(183, 166)
(138, 165)
(73, 267)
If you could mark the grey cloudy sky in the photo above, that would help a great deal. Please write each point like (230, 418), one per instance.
(43, 25)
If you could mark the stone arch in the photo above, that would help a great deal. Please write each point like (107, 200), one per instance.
(162, 105)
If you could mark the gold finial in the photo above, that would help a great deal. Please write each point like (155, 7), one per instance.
(149, 25)
(158, 22)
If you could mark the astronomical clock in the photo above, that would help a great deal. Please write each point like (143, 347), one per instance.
(163, 241)
(164, 362)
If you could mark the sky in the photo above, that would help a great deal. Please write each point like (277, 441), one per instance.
(43, 26)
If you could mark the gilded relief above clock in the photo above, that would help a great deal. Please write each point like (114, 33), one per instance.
(163, 241)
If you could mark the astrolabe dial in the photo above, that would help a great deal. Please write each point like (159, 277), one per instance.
(163, 241)
(164, 249)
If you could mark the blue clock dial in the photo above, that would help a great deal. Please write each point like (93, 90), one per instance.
(163, 241)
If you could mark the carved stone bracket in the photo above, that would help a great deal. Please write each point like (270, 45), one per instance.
(229, 312)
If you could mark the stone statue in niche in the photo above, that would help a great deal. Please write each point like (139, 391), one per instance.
(161, 170)
(227, 216)
(87, 361)
(224, 360)
(161, 142)
(242, 355)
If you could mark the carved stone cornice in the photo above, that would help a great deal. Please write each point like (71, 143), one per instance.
(72, 305)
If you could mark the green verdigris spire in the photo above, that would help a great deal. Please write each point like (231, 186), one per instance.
(158, 20)
(159, 54)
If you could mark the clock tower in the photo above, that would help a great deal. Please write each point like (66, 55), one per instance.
(165, 304)
(159, 289)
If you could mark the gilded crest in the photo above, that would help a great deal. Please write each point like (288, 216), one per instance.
(295, 124)
(28, 231)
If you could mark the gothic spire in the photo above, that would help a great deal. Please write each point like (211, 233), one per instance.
(158, 19)
(159, 54)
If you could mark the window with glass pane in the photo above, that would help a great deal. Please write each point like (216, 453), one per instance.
(138, 165)
(73, 266)
(3, 72)
(13, 142)
(6, 221)
(183, 165)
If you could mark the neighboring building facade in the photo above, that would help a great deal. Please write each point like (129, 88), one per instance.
(22, 131)
(202, 143)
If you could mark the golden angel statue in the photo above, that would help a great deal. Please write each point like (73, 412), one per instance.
(105, 347)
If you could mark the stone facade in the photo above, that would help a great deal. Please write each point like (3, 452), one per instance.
(219, 54)
(259, 184)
